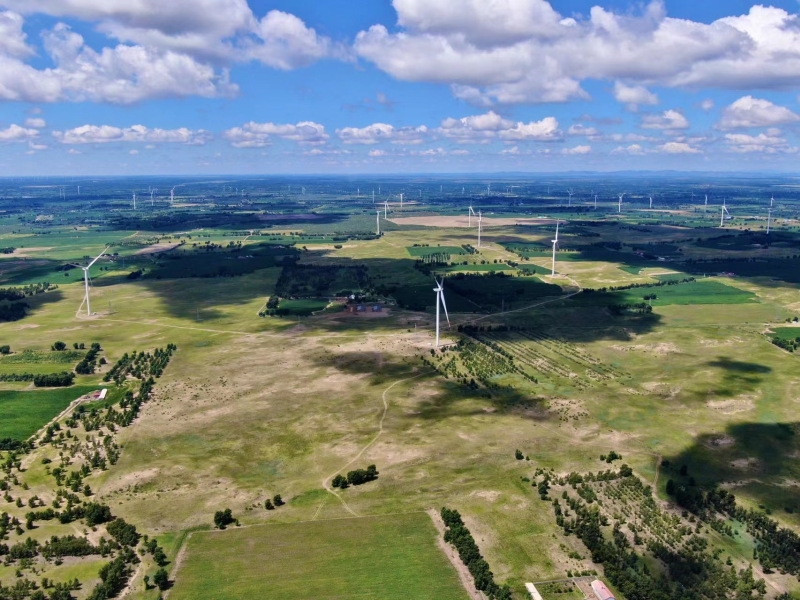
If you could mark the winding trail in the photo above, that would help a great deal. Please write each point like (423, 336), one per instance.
(327, 480)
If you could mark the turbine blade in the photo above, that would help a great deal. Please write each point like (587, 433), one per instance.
(444, 306)
(98, 257)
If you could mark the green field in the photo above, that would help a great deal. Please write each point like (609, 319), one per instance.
(786, 333)
(303, 307)
(380, 558)
(696, 292)
(25, 412)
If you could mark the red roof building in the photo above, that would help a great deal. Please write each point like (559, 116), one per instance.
(601, 591)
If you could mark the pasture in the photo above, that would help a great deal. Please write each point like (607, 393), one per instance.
(380, 558)
(25, 412)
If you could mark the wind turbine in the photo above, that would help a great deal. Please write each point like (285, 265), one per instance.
(86, 280)
(722, 215)
(480, 227)
(570, 192)
(378, 219)
(401, 198)
(488, 188)
(469, 215)
(772, 200)
(619, 210)
(385, 208)
(439, 289)
(555, 243)
(706, 199)
(651, 201)
(172, 195)
(134, 200)
(595, 201)
(373, 197)
(769, 219)
(79, 190)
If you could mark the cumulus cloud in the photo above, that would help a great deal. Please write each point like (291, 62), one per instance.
(580, 129)
(258, 135)
(525, 51)
(377, 152)
(632, 150)
(482, 129)
(35, 123)
(633, 96)
(169, 49)
(768, 143)
(668, 120)
(577, 150)
(677, 148)
(15, 133)
(707, 104)
(104, 134)
(749, 112)
(382, 132)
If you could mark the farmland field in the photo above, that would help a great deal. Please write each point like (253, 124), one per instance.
(380, 558)
(24, 412)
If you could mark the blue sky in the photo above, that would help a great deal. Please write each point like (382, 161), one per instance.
(379, 86)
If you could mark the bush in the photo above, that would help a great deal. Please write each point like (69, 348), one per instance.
(5, 349)
(161, 579)
(59, 347)
(63, 379)
(223, 518)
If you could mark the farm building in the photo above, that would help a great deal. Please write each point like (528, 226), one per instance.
(601, 591)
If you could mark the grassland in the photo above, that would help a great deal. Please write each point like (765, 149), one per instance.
(250, 407)
(380, 558)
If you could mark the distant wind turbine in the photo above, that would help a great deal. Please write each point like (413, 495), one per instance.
(619, 209)
(555, 243)
(722, 215)
(480, 227)
(651, 201)
(570, 192)
(469, 215)
(134, 200)
(769, 219)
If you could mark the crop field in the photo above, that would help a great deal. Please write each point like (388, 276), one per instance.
(380, 558)
(24, 412)
(536, 380)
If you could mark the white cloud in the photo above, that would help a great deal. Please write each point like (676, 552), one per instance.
(514, 150)
(668, 120)
(769, 143)
(677, 148)
(524, 51)
(73, 151)
(34, 146)
(257, 135)
(377, 152)
(580, 129)
(15, 133)
(633, 96)
(35, 123)
(100, 134)
(707, 104)
(13, 41)
(287, 43)
(632, 150)
(577, 150)
(751, 112)
(383, 132)
(482, 129)
(133, 152)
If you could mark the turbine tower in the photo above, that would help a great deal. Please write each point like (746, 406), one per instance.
(555, 243)
(651, 201)
(469, 215)
(619, 209)
(86, 280)
(385, 208)
(722, 215)
(769, 219)
(134, 200)
(706, 199)
(772, 200)
(439, 289)
(172, 195)
(401, 199)
(595, 201)
(378, 220)
(570, 192)
(480, 227)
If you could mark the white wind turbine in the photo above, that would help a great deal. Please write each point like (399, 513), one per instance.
(469, 215)
(480, 227)
(555, 243)
(651, 201)
(373, 197)
(134, 200)
(772, 200)
(722, 214)
(378, 219)
(595, 201)
(172, 195)
(86, 280)
(769, 219)
(706, 199)
(439, 289)
(385, 208)
(570, 192)
(619, 209)
(401, 199)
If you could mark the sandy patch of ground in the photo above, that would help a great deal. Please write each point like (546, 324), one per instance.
(733, 405)
(658, 349)
(156, 248)
(721, 441)
(745, 463)
(450, 221)
(25, 251)
(28, 326)
(489, 495)
(662, 389)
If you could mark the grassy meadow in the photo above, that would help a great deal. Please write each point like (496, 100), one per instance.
(253, 406)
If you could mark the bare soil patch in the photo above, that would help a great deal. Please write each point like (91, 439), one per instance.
(157, 248)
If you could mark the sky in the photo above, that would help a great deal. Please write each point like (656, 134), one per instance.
(128, 87)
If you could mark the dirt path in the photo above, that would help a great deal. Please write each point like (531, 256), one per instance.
(327, 480)
(463, 573)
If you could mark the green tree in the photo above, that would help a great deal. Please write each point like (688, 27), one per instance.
(59, 346)
(161, 579)
(277, 500)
